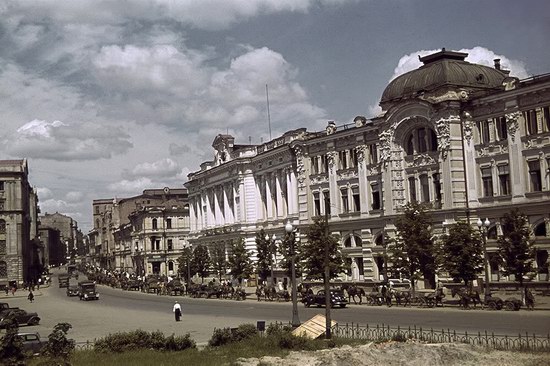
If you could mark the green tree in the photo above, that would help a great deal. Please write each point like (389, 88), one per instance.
(201, 261)
(185, 268)
(461, 253)
(314, 252)
(515, 249)
(219, 263)
(264, 257)
(240, 263)
(59, 346)
(412, 251)
(11, 348)
(286, 252)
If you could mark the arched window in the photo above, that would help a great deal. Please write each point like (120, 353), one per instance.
(155, 224)
(420, 140)
(492, 232)
(540, 229)
(358, 241)
(379, 241)
(347, 243)
(3, 269)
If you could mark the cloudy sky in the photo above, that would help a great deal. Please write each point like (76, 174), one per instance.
(106, 98)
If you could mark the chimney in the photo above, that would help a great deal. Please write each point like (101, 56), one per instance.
(497, 63)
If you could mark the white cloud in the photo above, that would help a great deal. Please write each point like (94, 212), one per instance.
(476, 55)
(131, 187)
(161, 168)
(44, 193)
(74, 196)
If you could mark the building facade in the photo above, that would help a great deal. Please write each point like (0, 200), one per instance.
(68, 230)
(469, 139)
(144, 234)
(20, 249)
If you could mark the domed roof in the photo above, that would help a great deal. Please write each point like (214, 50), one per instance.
(440, 69)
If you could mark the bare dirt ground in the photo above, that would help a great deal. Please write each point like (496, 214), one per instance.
(409, 353)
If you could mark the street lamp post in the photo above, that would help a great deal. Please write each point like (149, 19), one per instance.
(483, 227)
(290, 230)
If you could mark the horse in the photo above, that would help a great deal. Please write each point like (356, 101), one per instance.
(401, 295)
(466, 296)
(353, 291)
(529, 299)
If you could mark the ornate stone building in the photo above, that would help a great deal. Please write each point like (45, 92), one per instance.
(467, 138)
(144, 234)
(21, 253)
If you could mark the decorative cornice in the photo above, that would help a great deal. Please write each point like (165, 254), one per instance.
(386, 139)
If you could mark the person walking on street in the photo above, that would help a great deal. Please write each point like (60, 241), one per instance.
(177, 311)
(31, 296)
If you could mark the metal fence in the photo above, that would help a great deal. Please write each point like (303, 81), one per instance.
(484, 339)
(84, 346)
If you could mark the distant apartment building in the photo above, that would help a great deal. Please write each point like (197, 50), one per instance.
(143, 234)
(68, 231)
(21, 253)
(467, 138)
(55, 251)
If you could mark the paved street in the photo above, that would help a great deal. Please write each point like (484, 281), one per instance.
(119, 310)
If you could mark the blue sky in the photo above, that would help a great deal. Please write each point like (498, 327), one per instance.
(107, 98)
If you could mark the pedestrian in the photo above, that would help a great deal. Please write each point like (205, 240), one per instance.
(177, 311)
(31, 296)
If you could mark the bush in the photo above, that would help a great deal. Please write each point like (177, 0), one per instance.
(58, 345)
(11, 348)
(140, 339)
(224, 336)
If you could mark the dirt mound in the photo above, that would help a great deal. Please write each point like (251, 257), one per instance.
(399, 353)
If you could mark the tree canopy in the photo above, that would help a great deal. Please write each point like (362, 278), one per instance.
(461, 253)
(201, 261)
(515, 249)
(264, 257)
(184, 264)
(412, 251)
(314, 252)
(240, 263)
(218, 261)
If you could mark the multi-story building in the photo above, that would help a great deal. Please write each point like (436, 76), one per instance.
(467, 138)
(55, 253)
(142, 234)
(20, 249)
(68, 229)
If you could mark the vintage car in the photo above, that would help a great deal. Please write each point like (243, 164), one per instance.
(337, 298)
(31, 342)
(72, 290)
(20, 316)
(63, 280)
(87, 291)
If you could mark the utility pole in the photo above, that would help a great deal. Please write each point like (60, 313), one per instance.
(328, 324)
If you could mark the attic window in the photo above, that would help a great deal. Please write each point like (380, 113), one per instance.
(480, 78)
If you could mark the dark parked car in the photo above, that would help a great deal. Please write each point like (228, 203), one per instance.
(31, 342)
(87, 291)
(72, 290)
(336, 299)
(21, 317)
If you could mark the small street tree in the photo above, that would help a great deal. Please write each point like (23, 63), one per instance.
(219, 263)
(321, 246)
(240, 263)
(286, 251)
(185, 268)
(515, 249)
(461, 253)
(201, 261)
(265, 259)
(412, 251)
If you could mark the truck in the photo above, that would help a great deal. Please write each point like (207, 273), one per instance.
(63, 280)
(87, 291)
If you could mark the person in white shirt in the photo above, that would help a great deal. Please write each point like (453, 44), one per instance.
(177, 311)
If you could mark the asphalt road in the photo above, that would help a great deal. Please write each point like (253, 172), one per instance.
(119, 310)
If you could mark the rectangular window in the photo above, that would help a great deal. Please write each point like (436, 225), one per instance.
(535, 176)
(314, 166)
(345, 201)
(437, 189)
(376, 201)
(484, 135)
(487, 182)
(373, 154)
(326, 196)
(170, 244)
(531, 121)
(168, 223)
(343, 158)
(412, 189)
(422, 145)
(504, 179)
(316, 204)
(353, 162)
(356, 199)
(502, 129)
(424, 188)
(2, 247)
(546, 116)
(324, 165)
(157, 244)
